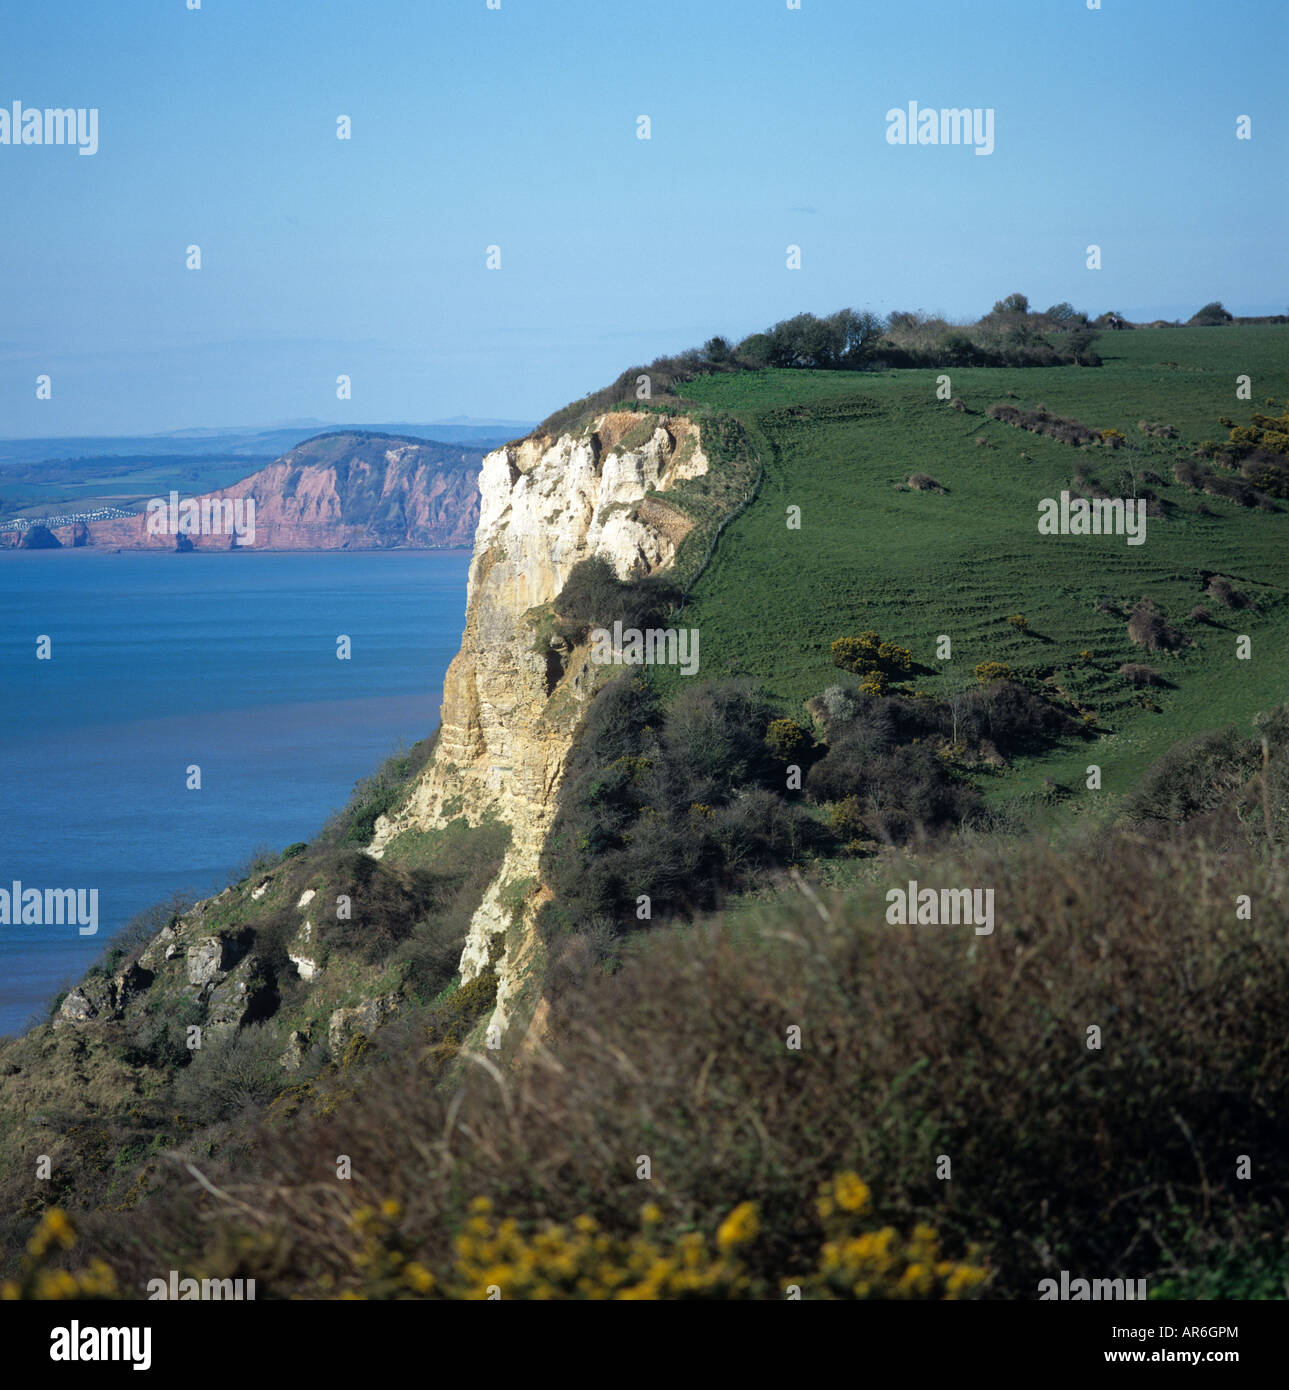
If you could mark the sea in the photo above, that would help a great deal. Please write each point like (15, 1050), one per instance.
(275, 680)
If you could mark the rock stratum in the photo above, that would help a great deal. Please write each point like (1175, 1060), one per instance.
(510, 706)
(347, 491)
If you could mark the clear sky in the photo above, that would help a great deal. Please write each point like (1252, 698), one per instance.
(517, 127)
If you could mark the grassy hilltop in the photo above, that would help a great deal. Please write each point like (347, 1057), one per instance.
(914, 564)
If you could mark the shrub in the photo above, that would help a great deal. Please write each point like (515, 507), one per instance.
(230, 1074)
(1019, 622)
(1193, 778)
(1140, 675)
(837, 705)
(856, 653)
(869, 656)
(582, 1259)
(900, 790)
(375, 795)
(894, 660)
(623, 826)
(845, 818)
(1210, 316)
(755, 350)
(593, 596)
(786, 739)
(1011, 718)
(1148, 627)
(1225, 593)
(388, 900)
(988, 671)
(39, 1279)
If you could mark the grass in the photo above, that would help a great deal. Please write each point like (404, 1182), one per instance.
(915, 565)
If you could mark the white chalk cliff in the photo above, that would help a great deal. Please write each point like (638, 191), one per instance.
(510, 708)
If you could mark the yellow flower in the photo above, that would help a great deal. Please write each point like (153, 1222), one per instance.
(852, 1194)
(739, 1227)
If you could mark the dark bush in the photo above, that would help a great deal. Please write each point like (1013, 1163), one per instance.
(902, 790)
(1149, 628)
(1013, 719)
(1210, 316)
(1193, 778)
(594, 597)
(1225, 593)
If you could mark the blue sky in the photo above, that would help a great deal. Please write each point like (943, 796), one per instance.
(517, 127)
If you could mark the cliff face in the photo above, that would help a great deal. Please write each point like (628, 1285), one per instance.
(335, 492)
(510, 708)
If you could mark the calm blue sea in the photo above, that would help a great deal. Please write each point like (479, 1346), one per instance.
(229, 662)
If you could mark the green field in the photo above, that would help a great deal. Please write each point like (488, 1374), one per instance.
(914, 565)
(83, 485)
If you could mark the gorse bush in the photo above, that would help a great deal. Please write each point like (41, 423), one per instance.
(582, 1261)
(41, 1279)
(868, 652)
(785, 738)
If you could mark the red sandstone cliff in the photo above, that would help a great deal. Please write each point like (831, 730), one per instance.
(334, 492)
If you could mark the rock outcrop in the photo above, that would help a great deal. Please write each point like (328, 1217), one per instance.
(510, 708)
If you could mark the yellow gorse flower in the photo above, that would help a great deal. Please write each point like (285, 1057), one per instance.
(38, 1281)
(739, 1227)
(850, 1192)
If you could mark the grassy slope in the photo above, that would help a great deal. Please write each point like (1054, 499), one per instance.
(913, 565)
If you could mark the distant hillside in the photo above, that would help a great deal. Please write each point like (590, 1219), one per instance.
(247, 442)
(343, 491)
